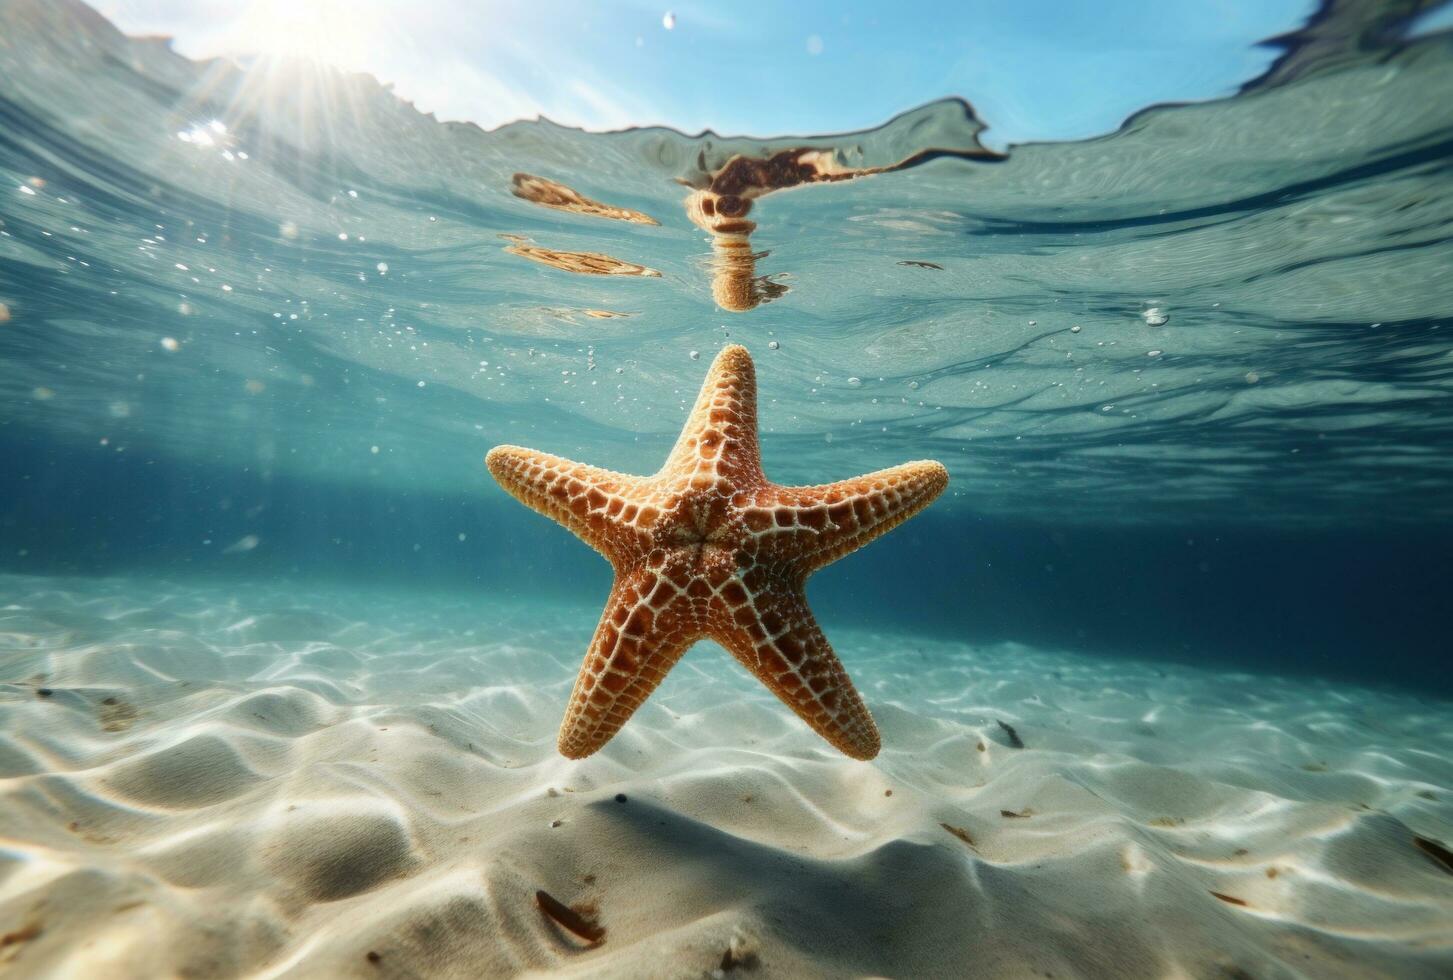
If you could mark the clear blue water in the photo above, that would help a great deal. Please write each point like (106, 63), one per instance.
(1192, 380)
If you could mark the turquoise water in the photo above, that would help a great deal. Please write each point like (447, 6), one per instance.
(1192, 380)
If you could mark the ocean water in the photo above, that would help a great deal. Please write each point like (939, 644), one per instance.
(281, 665)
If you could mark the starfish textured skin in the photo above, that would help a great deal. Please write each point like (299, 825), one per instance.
(709, 548)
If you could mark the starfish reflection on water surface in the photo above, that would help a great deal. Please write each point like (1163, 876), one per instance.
(708, 547)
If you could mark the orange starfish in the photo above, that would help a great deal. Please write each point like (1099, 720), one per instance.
(708, 547)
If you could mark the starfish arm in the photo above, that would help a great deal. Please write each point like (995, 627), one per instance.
(591, 502)
(775, 636)
(634, 646)
(719, 439)
(815, 526)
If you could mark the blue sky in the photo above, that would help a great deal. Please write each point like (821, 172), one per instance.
(1035, 69)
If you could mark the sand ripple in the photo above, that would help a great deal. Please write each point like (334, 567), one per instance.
(215, 780)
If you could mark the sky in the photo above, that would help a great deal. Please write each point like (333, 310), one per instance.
(1034, 69)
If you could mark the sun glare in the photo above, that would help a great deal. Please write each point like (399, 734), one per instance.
(332, 32)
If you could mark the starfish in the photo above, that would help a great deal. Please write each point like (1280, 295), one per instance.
(709, 548)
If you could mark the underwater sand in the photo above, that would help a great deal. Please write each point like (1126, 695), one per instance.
(230, 780)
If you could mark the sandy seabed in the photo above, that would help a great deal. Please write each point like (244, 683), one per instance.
(231, 779)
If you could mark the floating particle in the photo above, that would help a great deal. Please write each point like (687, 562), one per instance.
(1075, 328)
(814, 45)
(243, 544)
(1154, 316)
(855, 382)
(42, 394)
(668, 20)
(433, 218)
(288, 230)
(773, 345)
(119, 409)
(4, 313)
(382, 268)
(1252, 377)
(462, 535)
(185, 309)
(373, 449)
(695, 355)
(254, 387)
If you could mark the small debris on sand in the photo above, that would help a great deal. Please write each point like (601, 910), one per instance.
(373, 956)
(737, 956)
(1436, 851)
(116, 715)
(921, 265)
(961, 834)
(1014, 740)
(24, 934)
(568, 918)
(1017, 814)
(1231, 899)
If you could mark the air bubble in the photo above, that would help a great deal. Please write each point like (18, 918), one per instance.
(1154, 316)
(855, 382)
(773, 345)
(695, 355)
(1075, 328)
